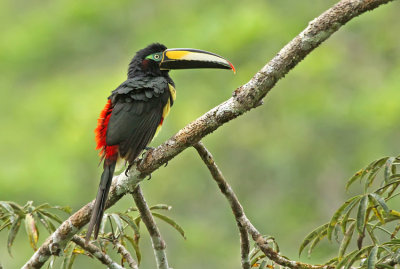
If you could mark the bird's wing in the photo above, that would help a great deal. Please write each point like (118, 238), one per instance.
(135, 117)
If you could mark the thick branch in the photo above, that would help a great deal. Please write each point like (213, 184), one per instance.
(237, 208)
(158, 243)
(244, 99)
(96, 252)
(242, 221)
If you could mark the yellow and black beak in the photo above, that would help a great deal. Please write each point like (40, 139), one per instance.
(193, 58)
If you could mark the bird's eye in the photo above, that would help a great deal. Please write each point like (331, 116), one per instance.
(156, 56)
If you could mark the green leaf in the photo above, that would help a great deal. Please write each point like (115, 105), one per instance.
(5, 224)
(103, 223)
(170, 222)
(371, 177)
(336, 233)
(378, 215)
(316, 241)
(263, 264)
(51, 262)
(332, 261)
(382, 265)
(45, 222)
(131, 209)
(311, 236)
(372, 168)
(394, 183)
(354, 178)
(394, 213)
(254, 251)
(388, 168)
(362, 209)
(17, 208)
(256, 259)
(72, 260)
(338, 213)
(67, 255)
(372, 258)
(390, 193)
(51, 216)
(378, 200)
(66, 209)
(161, 206)
(130, 222)
(118, 222)
(31, 230)
(135, 247)
(346, 240)
(42, 206)
(346, 258)
(7, 207)
(13, 233)
(346, 214)
(393, 235)
(357, 256)
(370, 231)
(393, 242)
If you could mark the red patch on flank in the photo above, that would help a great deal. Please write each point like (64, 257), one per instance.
(162, 120)
(108, 152)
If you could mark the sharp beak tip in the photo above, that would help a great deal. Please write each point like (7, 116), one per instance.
(233, 68)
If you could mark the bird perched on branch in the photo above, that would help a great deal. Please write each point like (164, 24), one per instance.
(136, 110)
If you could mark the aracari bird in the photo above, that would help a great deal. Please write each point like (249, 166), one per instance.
(136, 109)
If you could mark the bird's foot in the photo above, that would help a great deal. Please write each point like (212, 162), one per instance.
(146, 151)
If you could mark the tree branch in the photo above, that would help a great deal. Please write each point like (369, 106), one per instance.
(127, 256)
(158, 243)
(243, 222)
(236, 207)
(96, 252)
(244, 99)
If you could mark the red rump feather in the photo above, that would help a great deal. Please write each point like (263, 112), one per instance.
(108, 152)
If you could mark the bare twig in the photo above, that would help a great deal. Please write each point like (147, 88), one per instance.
(127, 256)
(237, 208)
(243, 222)
(96, 252)
(244, 99)
(158, 243)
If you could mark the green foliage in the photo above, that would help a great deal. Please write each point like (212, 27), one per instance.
(119, 227)
(373, 220)
(12, 215)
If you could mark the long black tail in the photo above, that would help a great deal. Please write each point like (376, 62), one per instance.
(101, 198)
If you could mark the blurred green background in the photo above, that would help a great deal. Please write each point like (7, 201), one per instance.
(288, 160)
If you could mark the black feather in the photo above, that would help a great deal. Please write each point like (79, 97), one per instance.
(101, 199)
(135, 123)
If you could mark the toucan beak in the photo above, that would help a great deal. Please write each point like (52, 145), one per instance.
(193, 58)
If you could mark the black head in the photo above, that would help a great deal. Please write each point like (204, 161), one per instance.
(147, 61)
(157, 60)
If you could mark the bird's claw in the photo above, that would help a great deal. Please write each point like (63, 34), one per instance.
(147, 150)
